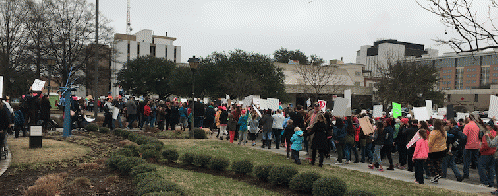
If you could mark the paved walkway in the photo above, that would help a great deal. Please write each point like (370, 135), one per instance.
(396, 174)
(5, 163)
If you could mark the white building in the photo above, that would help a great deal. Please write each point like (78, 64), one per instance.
(142, 43)
(384, 52)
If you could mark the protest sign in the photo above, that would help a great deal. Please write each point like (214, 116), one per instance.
(347, 95)
(428, 105)
(493, 106)
(441, 111)
(366, 126)
(323, 105)
(340, 106)
(421, 113)
(273, 103)
(38, 85)
(263, 104)
(377, 113)
(396, 110)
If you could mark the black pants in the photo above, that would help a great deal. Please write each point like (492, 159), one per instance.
(295, 156)
(435, 159)
(410, 161)
(160, 124)
(321, 154)
(287, 140)
(237, 134)
(172, 124)
(402, 151)
(419, 170)
(277, 134)
(18, 128)
(108, 121)
(386, 150)
(340, 149)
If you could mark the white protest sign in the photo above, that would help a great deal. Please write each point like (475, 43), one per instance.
(437, 116)
(248, 101)
(460, 115)
(183, 100)
(377, 113)
(224, 101)
(347, 95)
(493, 106)
(35, 131)
(1, 86)
(428, 105)
(263, 104)
(340, 106)
(273, 103)
(241, 102)
(257, 111)
(441, 111)
(205, 100)
(227, 97)
(421, 113)
(323, 105)
(38, 85)
(255, 101)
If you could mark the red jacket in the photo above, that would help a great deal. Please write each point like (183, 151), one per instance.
(485, 149)
(146, 110)
(471, 130)
(421, 149)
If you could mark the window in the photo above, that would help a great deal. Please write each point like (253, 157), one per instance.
(166, 52)
(138, 49)
(459, 79)
(152, 50)
(476, 98)
(484, 75)
(128, 50)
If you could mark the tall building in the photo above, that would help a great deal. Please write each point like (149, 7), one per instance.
(384, 52)
(143, 43)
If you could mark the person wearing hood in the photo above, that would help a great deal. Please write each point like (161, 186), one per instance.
(319, 142)
(209, 116)
(296, 140)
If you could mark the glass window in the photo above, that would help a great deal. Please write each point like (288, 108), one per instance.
(484, 75)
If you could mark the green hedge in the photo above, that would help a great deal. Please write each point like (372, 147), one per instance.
(303, 182)
(242, 167)
(281, 175)
(219, 163)
(262, 172)
(329, 186)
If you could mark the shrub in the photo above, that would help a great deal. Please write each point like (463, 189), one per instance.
(170, 154)
(118, 132)
(359, 193)
(112, 162)
(46, 185)
(92, 127)
(262, 172)
(199, 134)
(126, 163)
(303, 182)
(242, 167)
(219, 163)
(281, 175)
(133, 137)
(187, 158)
(150, 151)
(146, 175)
(143, 168)
(157, 185)
(329, 186)
(125, 134)
(128, 151)
(202, 160)
(83, 182)
(104, 130)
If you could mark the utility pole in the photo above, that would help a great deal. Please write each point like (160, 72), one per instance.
(96, 74)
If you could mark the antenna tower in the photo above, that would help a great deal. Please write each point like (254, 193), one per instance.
(128, 23)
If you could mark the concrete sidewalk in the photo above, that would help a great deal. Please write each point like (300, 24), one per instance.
(396, 174)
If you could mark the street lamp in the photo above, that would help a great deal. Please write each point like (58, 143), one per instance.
(51, 63)
(193, 63)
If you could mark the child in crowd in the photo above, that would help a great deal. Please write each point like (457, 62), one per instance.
(232, 127)
(18, 122)
(253, 126)
(296, 140)
(379, 139)
(420, 156)
(288, 132)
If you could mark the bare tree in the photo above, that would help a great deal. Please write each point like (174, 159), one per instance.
(320, 78)
(474, 31)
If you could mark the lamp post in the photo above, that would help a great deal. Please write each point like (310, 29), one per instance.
(193, 63)
(96, 75)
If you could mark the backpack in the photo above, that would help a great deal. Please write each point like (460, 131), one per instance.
(460, 140)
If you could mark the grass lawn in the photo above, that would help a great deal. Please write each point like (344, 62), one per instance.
(207, 184)
(51, 151)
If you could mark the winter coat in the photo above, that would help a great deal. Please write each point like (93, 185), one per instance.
(485, 148)
(288, 131)
(232, 125)
(147, 111)
(297, 140)
(210, 113)
(18, 118)
(319, 132)
(437, 141)
(224, 117)
(278, 121)
(389, 136)
(254, 124)
(45, 109)
(174, 114)
(297, 118)
(266, 122)
(421, 149)
(243, 122)
(131, 107)
(340, 132)
(471, 130)
(183, 112)
(380, 137)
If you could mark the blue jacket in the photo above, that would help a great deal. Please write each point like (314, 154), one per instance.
(183, 112)
(340, 133)
(297, 140)
(243, 122)
(389, 135)
(18, 118)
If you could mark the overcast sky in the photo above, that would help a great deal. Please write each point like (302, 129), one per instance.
(329, 28)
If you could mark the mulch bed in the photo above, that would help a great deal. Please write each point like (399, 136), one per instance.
(15, 181)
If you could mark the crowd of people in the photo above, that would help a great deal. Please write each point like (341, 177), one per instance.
(427, 147)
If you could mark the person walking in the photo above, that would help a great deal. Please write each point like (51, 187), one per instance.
(420, 155)
(266, 122)
(319, 142)
(131, 111)
(277, 127)
(232, 127)
(470, 154)
(454, 143)
(339, 135)
(297, 140)
(486, 164)
(183, 113)
(288, 133)
(243, 127)
(437, 149)
(253, 126)
(379, 141)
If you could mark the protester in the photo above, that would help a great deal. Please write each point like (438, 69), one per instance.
(266, 122)
(486, 163)
(340, 138)
(277, 127)
(288, 133)
(296, 140)
(437, 149)
(131, 110)
(379, 141)
(223, 123)
(470, 154)
(389, 141)
(420, 155)
(243, 127)
(183, 116)
(319, 142)
(232, 127)
(18, 122)
(454, 144)
(253, 126)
